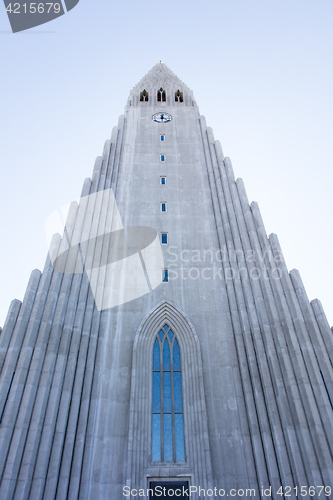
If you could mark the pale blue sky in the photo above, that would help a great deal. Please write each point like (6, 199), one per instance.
(261, 72)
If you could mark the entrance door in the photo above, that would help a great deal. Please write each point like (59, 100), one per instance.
(169, 490)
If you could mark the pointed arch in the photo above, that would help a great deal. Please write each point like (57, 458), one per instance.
(144, 96)
(179, 96)
(161, 95)
(140, 463)
(168, 408)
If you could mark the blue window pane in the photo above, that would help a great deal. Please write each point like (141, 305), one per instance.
(161, 335)
(165, 327)
(162, 137)
(156, 392)
(168, 453)
(156, 356)
(156, 438)
(163, 180)
(165, 275)
(164, 238)
(176, 355)
(179, 430)
(166, 356)
(170, 335)
(166, 391)
(162, 157)
(177, 387)
(163, 205)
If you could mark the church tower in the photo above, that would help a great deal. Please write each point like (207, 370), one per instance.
(165, 344)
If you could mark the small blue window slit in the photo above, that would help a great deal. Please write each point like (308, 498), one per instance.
(168, 443)
(163, 206)
(162, 157)
(164, 238)
(165, 275)
(163, 180)
(162, 138)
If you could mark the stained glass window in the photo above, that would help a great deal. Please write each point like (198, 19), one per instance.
(167, 418)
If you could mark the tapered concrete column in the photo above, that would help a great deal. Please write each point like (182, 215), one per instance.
(87, 227)
(18, 339)
(113, 168)
(237, 309)
(36, 452)
(263, 342)
(275, 262)
(289, 398)
(323, 470)
(221, 228)
(86, 187)
(321, 363)
(96, 173)
(324, 327)
(8, 329)
(267, 319)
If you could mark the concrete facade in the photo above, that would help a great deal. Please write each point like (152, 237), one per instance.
(257, 377)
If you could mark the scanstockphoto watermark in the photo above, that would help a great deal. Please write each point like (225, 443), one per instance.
(214, 492)
(187, 492)
(24, 15)
(223, 273)
(223, 264)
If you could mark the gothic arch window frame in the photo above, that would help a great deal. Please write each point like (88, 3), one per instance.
(139, 455)
(179, 96)
(144, 96)
(161, 95)
(167, 399)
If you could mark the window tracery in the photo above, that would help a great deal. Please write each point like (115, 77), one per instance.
(144, 96)
(161, 95)
(179, 96)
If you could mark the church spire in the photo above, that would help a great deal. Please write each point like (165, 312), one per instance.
(160, 81)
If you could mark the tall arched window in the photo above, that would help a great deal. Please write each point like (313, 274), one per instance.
(144, 95)
(161, 95)
(179, 96)
(167, 414)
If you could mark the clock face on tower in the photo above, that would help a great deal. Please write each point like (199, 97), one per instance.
(162, 117)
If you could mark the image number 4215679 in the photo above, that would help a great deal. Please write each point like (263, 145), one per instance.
(24, 15)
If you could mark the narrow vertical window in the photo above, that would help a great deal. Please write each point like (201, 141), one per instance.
(167, 409)
(165, 275)
(162, 157)
(144, 96)
(161, 95)
(163, 206)
(163, 180)
(179, 96)
(162, 138)
(164, 238)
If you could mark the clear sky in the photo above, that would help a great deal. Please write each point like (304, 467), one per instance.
(261, 72)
